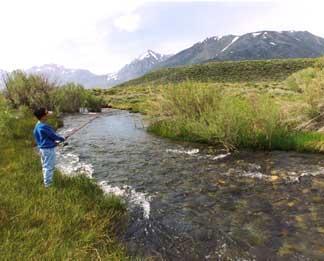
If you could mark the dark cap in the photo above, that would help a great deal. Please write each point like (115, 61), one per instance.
(40, 112)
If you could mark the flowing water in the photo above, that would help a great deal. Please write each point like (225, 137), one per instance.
(194, 202)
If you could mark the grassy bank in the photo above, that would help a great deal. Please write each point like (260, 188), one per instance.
(133, 98)
(255, 104)
(234, 117)
(73, 220)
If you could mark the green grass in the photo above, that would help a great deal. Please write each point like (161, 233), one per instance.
(300, 141)
(134, 98)
(248, 104)
(232, 118)
(73, 220)
(225, 72)
(242, 76)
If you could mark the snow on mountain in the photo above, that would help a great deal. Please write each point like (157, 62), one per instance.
(150, 54)
(2, 75)
(112, 76)
(256, 34)
(250, 46)
(255, 45)
(138, 67)
(63, 75)
(233, 41)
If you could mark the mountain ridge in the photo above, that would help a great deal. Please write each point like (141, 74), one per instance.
(260, 45)
(61, 75)
(138, 67)
(250, 46)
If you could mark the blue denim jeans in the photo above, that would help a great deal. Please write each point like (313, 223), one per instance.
(48, 165)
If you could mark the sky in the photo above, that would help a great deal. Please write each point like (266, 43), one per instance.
(102, 36)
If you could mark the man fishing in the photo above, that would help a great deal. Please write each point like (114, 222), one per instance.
(46, 140)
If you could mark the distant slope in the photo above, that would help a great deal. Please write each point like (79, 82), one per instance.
(199, 52)
(138, 67)
(63, 75)
(252, 46)
(2, 75)
(239, 71)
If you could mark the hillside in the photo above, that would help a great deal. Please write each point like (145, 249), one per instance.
(251, 46)
(138, 67)
(240, 71)
(2, 75)
(62, 75)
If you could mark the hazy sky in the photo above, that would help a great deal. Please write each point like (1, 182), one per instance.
(102, 35)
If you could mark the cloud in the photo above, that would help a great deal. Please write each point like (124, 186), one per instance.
(128, 23)
(103, 35)
(35, 32)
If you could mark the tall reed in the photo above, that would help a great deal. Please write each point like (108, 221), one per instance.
(203, 112)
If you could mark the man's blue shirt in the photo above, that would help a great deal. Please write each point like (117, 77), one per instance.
(45, 136)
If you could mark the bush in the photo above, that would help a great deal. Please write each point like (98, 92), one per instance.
(71, 97)
(92, 102)
(35, 91)
(201, 112)
(319, 63)
(28, 90)
(18, 124)
(310, 83)
(15, 124)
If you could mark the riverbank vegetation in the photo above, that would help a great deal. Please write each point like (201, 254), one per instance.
(33, 91)
(254, 104)
(73, 220)
(204, 113)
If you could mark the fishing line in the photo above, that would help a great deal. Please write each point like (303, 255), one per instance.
(82, 126)
(64, 143)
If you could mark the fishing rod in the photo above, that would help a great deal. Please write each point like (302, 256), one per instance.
(82, 126)
(64, 143)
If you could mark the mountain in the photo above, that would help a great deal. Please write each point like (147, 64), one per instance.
(2, 72)
(251, 46)
(199, 52)
(2, 75)
(138, 67)
(62, 75)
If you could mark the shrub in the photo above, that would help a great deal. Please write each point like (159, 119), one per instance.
(319, 63)
(28, 90)
(310, 83)
(92, 102)
(36, 91)
(69, 98)
(16, 124)
(202, 112)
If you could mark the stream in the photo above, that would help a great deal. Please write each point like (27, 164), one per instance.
(191, 201)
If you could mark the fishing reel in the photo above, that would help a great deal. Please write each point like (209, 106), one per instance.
(64, 143)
